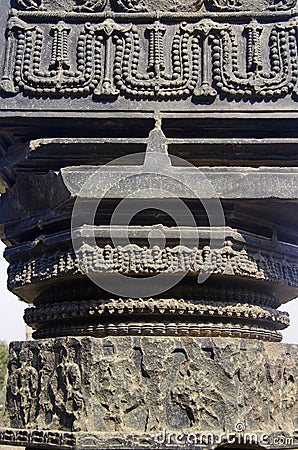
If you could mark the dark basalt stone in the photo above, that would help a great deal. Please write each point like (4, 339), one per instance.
(150, 102)
(113, 385)
(107, 391)
(182, 56)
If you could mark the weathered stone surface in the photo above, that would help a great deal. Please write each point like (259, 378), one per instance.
(237, 259)
(42, 271)
(82, 83)
(112, 181)
(100, 390)
(87, 52)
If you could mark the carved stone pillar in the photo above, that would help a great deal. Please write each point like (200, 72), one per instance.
(149, 204)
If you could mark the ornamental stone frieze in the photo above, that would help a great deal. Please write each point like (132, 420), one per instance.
(147, 51)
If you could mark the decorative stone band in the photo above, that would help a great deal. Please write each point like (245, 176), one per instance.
(35, 317)
(135, 6)
(50, 439)
(205, 294)
(108, 59)
(95, 441)
(211, 329)
(134, 260)
(183, 318)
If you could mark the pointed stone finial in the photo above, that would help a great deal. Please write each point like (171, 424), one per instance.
(158, 121)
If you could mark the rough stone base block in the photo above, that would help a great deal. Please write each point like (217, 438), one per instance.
(151, 392)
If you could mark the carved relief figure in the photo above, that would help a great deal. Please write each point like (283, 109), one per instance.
(27, 389)
(90, 5)
(29, 4)
(67, 391)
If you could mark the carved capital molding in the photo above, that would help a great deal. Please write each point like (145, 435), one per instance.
(133, 259)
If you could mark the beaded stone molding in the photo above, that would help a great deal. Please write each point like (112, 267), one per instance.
(209, 329)
(199, 294)
(184, 318)
(54, 55)
(123, 307)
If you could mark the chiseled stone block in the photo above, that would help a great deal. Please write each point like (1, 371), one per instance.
(97, 392)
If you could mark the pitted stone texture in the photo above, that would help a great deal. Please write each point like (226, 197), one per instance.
(69, 54)
(135, 386)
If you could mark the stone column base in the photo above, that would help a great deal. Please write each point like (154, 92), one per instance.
(151, 392)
